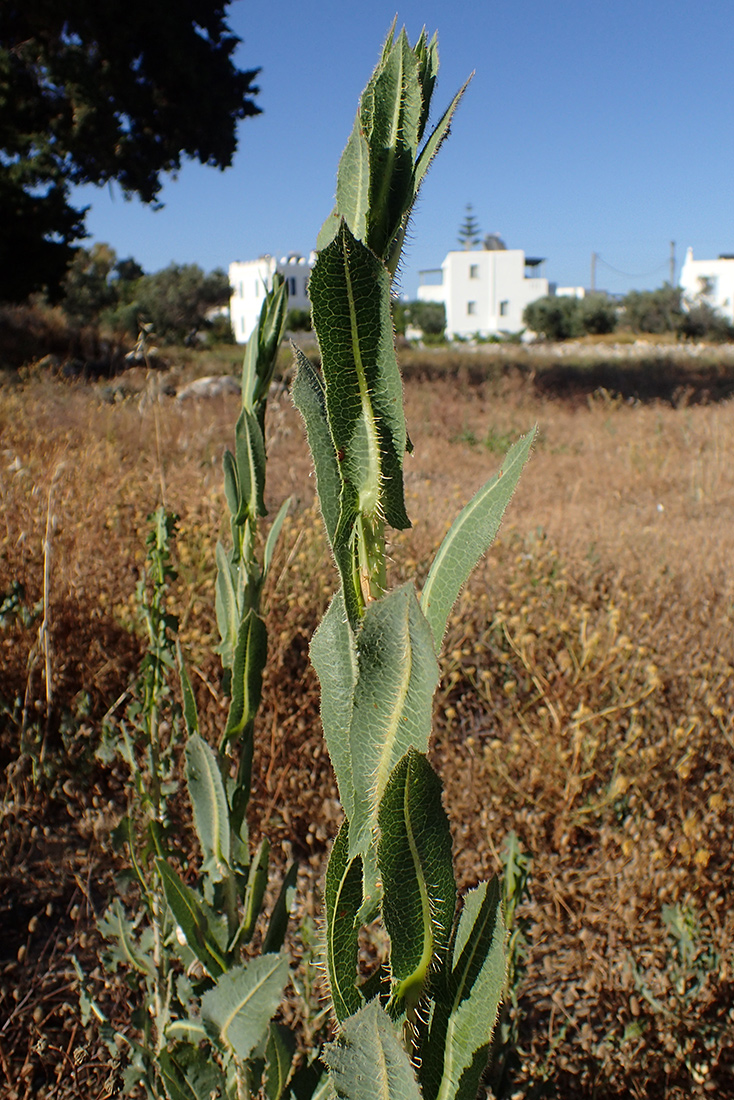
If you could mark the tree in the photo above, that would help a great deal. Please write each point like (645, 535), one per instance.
(92, 92)
(469, 235)
(598, 314)
(177, 300)
(88, 287)
(429, 317)
(655, 311)
(555, 318)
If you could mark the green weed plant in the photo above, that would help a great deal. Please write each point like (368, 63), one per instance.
(421, 1023)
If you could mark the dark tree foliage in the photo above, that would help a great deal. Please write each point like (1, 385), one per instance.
(99, 90)
(654, 311)
(469, 234)
(555, 318)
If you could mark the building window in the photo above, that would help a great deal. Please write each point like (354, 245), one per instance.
(473, 271)
(291, 281)
(504, 309)
(471, 308)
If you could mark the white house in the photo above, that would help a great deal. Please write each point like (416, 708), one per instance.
(251, 279)
(710, 282)
(485, 290)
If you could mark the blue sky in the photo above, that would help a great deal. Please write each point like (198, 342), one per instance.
(588, 127)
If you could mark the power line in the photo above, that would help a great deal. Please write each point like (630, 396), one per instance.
(630, 274)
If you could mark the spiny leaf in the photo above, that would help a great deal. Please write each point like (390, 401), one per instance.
(278, 925)
(188, 1074)
(398, 674)
(342, 899)
(191, 714)
(415, 860)
(257, 882)
(279, 1051)
(239, 1008)
(369, 1062)
(350, 295)
(454, 1048)
(334, 658)
(469, 538)
(209, 804)
(309, 397)
(250, 457)
(250, 656)
(192, 918)
(227, 611)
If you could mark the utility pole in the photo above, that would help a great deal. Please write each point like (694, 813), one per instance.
(593, 272)
(672, 263)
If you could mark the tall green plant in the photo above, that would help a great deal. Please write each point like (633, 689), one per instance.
(206, 1001)
(422, 1025)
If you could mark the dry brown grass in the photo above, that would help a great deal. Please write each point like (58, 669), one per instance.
(586, 703)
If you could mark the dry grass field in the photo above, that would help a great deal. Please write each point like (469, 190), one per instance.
(587, 699)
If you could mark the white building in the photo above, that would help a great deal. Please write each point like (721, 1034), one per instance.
(484, 291)
(710, 282)
(250, 281)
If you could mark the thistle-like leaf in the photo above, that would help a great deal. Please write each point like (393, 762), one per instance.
(250, 656)
(279, 1051)
(454, 1047)
(257, 881)
(227, 610)
(469, 538)
(193, 920)
(334, 658)
(398, 674)
(342, 900)
(262, 348)
(350, 296)
(309, 397)
(250, 457)
(415, 861)
(238, 1010)
(190, 712)
(369, 1062)
(189, 1074)
(278, 924)
(209, 804)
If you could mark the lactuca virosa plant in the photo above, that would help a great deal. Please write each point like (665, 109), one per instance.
(420, 1025)
(206, 1000)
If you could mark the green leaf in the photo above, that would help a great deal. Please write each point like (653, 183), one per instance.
(257, 882)
(342, 900)
(334, 658)
(350, 295)
(239, 1008)
(250, 656)
(273, 534)
(209, 804)
(191, 714)
(231, 483)
(369, 1062)
(192, 919)
(189, 1074)
(469, 538)
(455, 1047)
(393, 696)
(279, 1051)
(227, 609)
(394, 110)
(116, 926)
(438, 135)
(262, 347)
(250, 452)
(278, 925)
(415, 859)
(309, 397)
